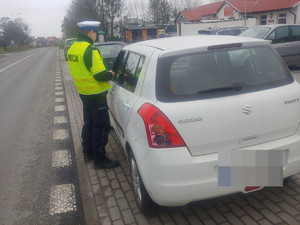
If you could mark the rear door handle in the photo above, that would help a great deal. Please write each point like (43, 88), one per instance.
(126, 105)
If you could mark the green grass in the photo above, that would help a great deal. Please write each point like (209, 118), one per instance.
(13, 48)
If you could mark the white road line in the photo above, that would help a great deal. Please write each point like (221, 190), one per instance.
(59, 93)
(14, 63)
(61, 158)
(59, 99)
(58, 88)
(58, 83)
(60, 108)
(62, 199)
(60, 119)
(61, 134)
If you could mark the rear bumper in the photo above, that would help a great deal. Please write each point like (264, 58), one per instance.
(173, 177)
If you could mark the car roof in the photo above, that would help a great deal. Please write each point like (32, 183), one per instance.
(196, 41)
(109, 43)
(275, 25)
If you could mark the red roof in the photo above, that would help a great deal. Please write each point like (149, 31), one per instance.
(239, 5)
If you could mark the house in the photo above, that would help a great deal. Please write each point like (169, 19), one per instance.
(238, 13)
(140, 33)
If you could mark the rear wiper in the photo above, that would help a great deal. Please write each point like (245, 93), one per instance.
(235, 87)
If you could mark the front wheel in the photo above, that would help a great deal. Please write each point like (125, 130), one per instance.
(143, 200)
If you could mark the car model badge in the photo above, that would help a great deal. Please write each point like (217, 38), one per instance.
(247, 109)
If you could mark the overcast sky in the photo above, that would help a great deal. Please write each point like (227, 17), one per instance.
(43, 16)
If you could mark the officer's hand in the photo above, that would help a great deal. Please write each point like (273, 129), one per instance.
(112, 73)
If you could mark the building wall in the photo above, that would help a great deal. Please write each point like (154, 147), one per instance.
(227, 12)
(272, 17)
(192, 28)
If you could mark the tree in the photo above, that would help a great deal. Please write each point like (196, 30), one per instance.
(16, 30)
(159, 11)
(113, 8)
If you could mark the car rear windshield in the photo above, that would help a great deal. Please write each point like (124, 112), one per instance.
(109, 51)
(218, 73)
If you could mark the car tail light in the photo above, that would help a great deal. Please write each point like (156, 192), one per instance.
(160, 131)
(252, 188)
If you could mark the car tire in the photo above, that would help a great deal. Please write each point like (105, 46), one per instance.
(142, 198)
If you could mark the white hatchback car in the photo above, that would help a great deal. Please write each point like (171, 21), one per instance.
(176, 103)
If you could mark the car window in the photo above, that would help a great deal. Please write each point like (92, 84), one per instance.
(255, 32)
(233, 32)
(109, 50)
(279, 35)
(295, 33)
(128, 67)
(195, 75)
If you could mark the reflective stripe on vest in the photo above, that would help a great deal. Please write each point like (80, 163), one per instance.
(84, 78)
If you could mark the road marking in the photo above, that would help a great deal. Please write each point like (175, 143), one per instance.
(61, 158)
(62, 199)
(59, 99)
(59, 93)
(60, 119)
(58, 84)
(58, 88)
(15, 63)
(58, 79)
(60, 108)
(61, 134)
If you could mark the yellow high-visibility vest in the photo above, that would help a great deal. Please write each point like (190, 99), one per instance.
(84, 78)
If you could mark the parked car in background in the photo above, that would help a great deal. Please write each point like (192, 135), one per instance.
(109, 52)
(233, 31)
(176, 103)
(284, 38)
(68, 44)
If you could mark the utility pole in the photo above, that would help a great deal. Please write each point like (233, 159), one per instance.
(245, 14)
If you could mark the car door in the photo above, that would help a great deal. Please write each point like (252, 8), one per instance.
(294, 58)
(280, 38)
(123, 94)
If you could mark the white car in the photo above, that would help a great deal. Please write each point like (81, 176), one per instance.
(177, 102)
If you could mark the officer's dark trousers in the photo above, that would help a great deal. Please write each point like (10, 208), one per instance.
(96, 126)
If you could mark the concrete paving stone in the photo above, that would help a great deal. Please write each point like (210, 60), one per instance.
(193, 220)
(115, 184)
(221, 207)
(104, 181)
(121, 177)
(111, 175)
(118, 193)
(200, 212)
(289, 190)
(288, 219)
(155, 221)
(239, 200)
(164, 215)
(96, 189)
(233, 219)
(264, 222)
(141, 219)
(297, 218)
(270, 205)
(218, 217)
(111, 201)
(105, 221)
(248, 220)
(256, 204)
(297, 207)
(206, 204)
(287, 198)
(92, 172)
(170, 223)
(253, 212)
(107, 191)
(127, 216)
(123, 204)
(130, 196)
(186, 210)
(114, 213)
(94, 180)
(99, 199)
(289, 209)
(102, 210)
(236, 209)
(297, 189)
(125, 186)
(179, 218)
(134, 208)
(258, 195)
(270, 216)
(118, 222)
(208, 222)
(270, 195)
(275, 190)
(101, 173)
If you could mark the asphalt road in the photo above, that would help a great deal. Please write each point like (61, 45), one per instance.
(38, 175)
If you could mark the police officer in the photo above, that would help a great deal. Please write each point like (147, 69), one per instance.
(92, 81)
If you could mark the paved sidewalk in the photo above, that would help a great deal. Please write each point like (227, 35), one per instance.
(108, 198)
